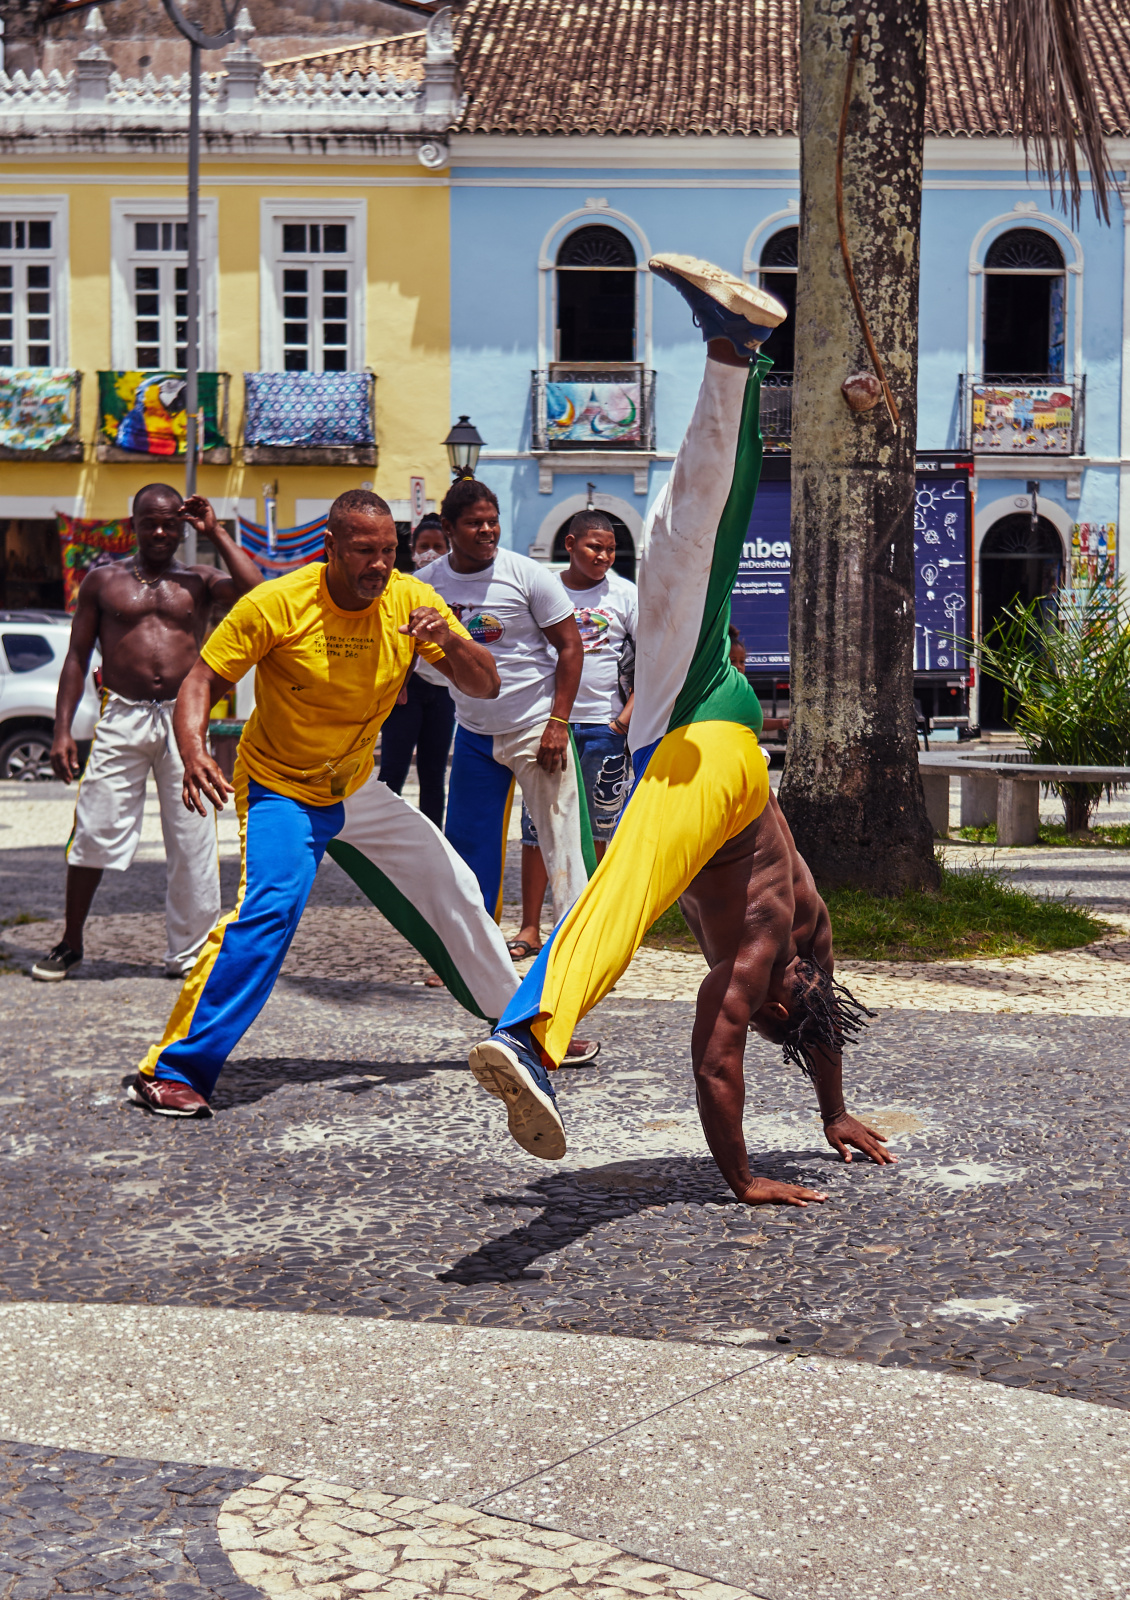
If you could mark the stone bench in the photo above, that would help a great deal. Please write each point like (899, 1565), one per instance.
(1005, 791)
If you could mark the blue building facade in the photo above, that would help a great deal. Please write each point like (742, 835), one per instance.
(1023, 332)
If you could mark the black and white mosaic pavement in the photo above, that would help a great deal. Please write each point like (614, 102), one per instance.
(78, 1524)
(354, 1168)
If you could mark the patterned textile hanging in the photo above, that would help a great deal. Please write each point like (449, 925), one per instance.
(294, 547)
(85, 543)
(308, 410)
(37, 407)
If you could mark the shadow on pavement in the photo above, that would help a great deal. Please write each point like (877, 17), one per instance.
(619, 1189)
(246, 1082)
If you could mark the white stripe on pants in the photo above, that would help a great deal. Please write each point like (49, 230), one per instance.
(133, 739)
(677, 550)
(408, 850)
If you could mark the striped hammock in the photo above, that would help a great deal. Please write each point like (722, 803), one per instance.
(294, 547)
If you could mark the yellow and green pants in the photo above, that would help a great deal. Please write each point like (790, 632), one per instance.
(700, 774)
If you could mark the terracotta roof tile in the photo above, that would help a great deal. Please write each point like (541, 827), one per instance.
(712, 67)
(691, 67)
(628, 66)
(399, 56)
(962, 96)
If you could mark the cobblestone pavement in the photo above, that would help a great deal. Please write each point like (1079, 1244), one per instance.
(354, 1170)
(326, 1540)
(366, 1174)
(73, 1523)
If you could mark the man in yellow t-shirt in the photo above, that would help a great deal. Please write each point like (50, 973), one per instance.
(331, 646)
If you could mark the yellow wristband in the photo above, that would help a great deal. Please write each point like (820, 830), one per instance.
(565, 720)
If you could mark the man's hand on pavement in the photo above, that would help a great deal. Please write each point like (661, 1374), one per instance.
(844, 1130)
(202, 777)
(64, 757)
(426, 624)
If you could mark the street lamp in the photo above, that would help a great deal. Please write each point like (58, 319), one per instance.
(198, 40)
(463, 445)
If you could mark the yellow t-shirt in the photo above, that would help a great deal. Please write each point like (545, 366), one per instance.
(325, 678)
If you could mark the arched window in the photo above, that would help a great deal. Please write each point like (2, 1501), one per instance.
(1024, 307)
(596, 296)
(778, 269)
(1019, 563)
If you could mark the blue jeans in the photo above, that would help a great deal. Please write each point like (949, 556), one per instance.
(605, 777)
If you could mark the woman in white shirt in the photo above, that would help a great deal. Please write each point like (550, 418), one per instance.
(606, 607)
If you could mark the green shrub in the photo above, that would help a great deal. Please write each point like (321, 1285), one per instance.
(1065, 666)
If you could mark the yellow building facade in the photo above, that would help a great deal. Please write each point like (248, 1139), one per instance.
(324, 250)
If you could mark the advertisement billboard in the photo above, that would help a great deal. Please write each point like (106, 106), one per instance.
(759, 607)
(942, 600)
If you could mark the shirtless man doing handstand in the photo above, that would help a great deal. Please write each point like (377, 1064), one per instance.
(765, 932)
(701, 826)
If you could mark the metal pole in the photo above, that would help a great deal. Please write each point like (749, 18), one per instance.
(192, 325)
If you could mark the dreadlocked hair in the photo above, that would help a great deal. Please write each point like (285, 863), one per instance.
(822, 1012)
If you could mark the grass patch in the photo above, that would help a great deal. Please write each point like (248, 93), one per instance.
(670, 932)
(1103, 836)
(972, 914)
(20, 920)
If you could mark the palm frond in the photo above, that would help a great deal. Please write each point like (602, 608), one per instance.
(1047, 79)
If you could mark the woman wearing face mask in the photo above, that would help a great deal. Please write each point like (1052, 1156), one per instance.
(424, 721)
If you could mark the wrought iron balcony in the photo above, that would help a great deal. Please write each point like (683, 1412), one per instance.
(1025, 414)
(607, 406)
(777, 413)
(39, 414)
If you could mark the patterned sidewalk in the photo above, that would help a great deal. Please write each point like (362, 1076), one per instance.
(354, 944)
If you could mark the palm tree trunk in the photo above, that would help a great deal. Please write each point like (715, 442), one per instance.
(851, 790)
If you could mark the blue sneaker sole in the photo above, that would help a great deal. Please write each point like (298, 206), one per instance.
(533, 1119)
(724, 307)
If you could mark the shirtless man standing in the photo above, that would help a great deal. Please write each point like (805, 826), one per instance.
(147, 614)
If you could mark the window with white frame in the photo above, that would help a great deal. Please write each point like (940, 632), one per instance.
(157, 285)
(29, 292)
(317, 281)
(149, 284)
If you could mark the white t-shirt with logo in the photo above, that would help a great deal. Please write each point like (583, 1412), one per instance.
(606, 615)
(505, 607)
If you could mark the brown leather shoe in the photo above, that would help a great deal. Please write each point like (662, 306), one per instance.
(168, 1097)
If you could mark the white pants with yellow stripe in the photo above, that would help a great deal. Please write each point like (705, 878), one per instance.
(399, 860)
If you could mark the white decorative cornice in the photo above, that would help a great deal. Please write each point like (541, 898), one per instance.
(242, 106)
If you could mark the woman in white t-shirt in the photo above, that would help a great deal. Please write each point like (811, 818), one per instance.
(606, 607)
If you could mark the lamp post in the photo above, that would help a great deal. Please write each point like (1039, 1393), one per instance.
(198, 40)
(463, 445)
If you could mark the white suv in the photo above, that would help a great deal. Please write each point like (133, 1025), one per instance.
(33, 647)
